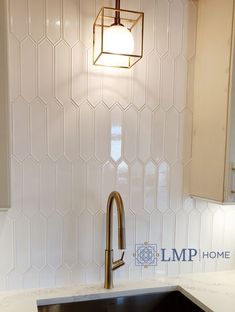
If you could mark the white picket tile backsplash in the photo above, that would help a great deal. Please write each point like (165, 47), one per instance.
(80, 131)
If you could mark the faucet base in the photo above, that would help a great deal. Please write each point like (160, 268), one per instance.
(108, 283)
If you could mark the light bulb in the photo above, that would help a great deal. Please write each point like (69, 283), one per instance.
(118, 39)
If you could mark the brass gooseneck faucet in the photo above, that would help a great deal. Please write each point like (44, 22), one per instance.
(111, 265)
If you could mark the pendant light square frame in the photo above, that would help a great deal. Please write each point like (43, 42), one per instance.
(133, 21)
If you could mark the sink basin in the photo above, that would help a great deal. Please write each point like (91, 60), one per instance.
(150, 302)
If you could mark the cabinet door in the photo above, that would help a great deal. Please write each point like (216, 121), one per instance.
(211, 98)
(4, 113)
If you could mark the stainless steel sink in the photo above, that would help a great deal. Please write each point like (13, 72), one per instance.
(148, 302)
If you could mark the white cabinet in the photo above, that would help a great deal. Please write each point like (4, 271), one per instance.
(4, 115)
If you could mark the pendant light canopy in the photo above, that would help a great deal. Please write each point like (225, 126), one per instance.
(118, 37)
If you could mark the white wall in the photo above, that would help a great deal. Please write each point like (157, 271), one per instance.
(79, 132)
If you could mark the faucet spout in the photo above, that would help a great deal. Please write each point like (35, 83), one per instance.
(111, 265)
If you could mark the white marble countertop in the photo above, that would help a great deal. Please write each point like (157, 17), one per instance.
(211, 291)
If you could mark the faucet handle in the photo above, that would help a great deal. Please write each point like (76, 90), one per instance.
(118, 263)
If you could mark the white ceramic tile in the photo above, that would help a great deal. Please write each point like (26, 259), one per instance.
(85, 229)
(206, 235)
(79, 186)
(181, 230)
(22, 244)
(71, 131)
(185, 135)
(171, 135)
(176, 187)
(153, 81)
(136, 187)
(18, 18)
(36, 11)
(14, 280)
(6, 245)
(95, 78)
(163, 187)
(93, 187)
(21, 136)
(150, 187)
(54, 240)
(130, 236)
(87, 15)
(162, 26)
(102, 132)
(168, 230)
(62, 276)
(47, 186)
(116, 133)
(155, 236)
(180, 83)
(157, 136)
(38, 241)
(14, 67)
(139, 88)
(167, 82)
(176, 27)
(53, 20)
(47, 277)
(108, 182)
(63, 186)
(69, 243)
(71, 19)
(79, 73)
(122, 182)
(55, 120)
(28, 69)
(30, 186)
(194, 228)
(86, 131)
(38, 129)
(145, 134)
(45, 70)
(31, 279)
(189, 29)
(130, 134)
(142, 227)
(99, 238)
(16, 188)
(62, 72)
(148, 7)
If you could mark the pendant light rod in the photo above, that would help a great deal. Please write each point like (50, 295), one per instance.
(117, 13)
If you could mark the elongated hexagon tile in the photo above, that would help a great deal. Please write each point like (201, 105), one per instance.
(156, 220)
(157, 135)
(85, 229)
(130, 133)
(116, 133)
(162, 26)
(71, 131)
(62, 72)
(185, 135)
(79, 73)
(71, 20)
(168, 229)
(47, 186)
(38, 129)
(181, 230)
(130, 235)
(28, 69)
(87, 15)
(69, 239)
(21, 140)
(55, 118)
(167, 82)
(171, 135)
(99, 238)
(139, 80)
(176, 27)
(145, 134)
(176, 187)
(16, 188)
(6, 246)
(180, 83)
(62, 276)
(86, 131)
(194, 229)
(153, 81)
(142, 227)
(188, 204)
(14, 280)
(14, 67)
(63, 186)
(206, 230)
(45, 70)
(54, 240)
(102, 132)
(38, 241)
(163, 187)
(108, 182)
(148, 7)
(150, 187)
(22, 244)
(93, 187)
(79, 186)
(36, 19)
(78, 275)
(190, 29)
(218, 228)
(31, 278)
(18, 18)
(47, 277)
(122, 182)
(136, 187)
(53, 20)
(30, 186)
